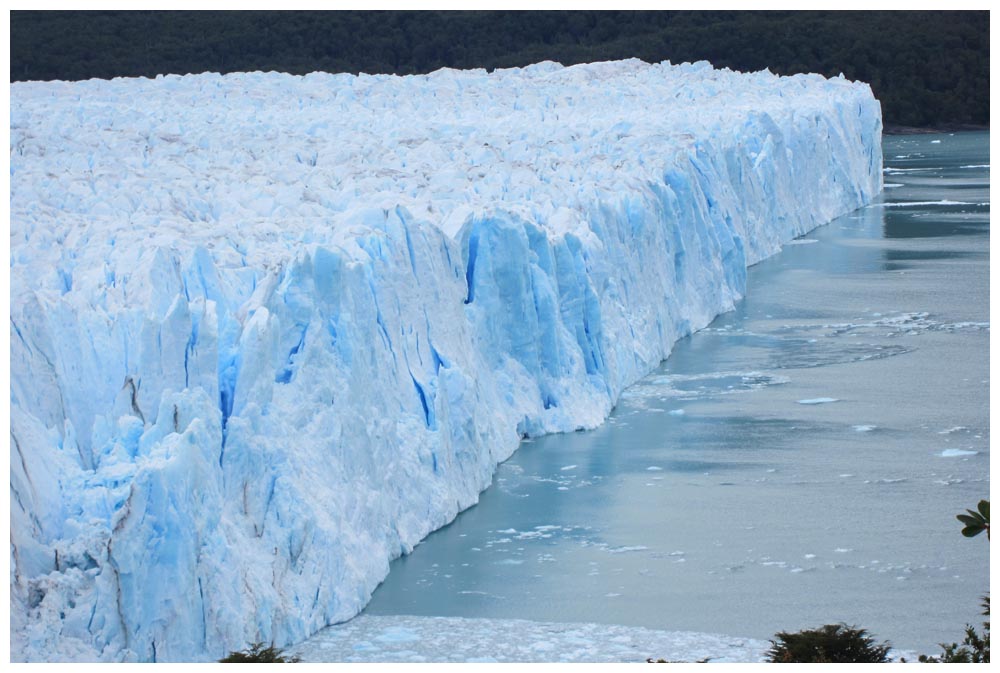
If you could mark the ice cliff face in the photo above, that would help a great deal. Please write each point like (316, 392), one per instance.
(267, 332)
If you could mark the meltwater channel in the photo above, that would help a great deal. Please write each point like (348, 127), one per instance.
(799, 462)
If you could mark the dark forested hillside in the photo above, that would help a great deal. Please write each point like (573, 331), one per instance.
(927, 68)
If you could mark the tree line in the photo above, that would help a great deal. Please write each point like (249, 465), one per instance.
(928, 68)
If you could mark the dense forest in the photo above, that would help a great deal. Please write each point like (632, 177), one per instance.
(929, 69)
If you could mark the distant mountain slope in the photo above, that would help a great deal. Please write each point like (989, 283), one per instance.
(927, 68)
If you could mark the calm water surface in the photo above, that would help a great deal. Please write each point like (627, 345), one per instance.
(715, 500)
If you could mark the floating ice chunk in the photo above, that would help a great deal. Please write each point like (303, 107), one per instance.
(819, 400)
(676, 412)
(966, 325)
(951, 430)
(922, 204)
(954, 453)
(567, 468)
(864, 428)
(397, 635)
(802, 241)
(654, 468)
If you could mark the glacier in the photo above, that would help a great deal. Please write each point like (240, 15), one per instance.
(267, 332)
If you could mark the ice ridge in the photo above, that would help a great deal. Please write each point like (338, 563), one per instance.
(267, 332)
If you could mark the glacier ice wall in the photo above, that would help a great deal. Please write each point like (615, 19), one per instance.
(267, 332)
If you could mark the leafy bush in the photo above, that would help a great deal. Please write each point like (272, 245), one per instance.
(975, 649)
(833, 643)
(258, 654)
(976, 522)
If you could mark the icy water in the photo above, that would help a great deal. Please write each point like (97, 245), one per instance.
(797, 463)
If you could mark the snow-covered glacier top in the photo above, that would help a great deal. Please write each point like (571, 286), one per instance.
(268, 331)
(251, 166)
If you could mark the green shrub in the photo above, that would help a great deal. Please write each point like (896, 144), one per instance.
(975, 649)
(978, 521)
(258, 654)
(833, 643)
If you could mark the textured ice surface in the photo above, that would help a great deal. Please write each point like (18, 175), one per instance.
(410, 639)
(451, 639)
(268, 332)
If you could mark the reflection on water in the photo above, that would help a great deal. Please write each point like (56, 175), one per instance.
(714, 500)
(894, 255)
(956, 170)
(907, 225)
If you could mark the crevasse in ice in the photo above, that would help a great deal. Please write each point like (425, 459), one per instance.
(267, 332)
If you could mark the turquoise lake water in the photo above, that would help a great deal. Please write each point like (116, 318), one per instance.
(799, 462)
